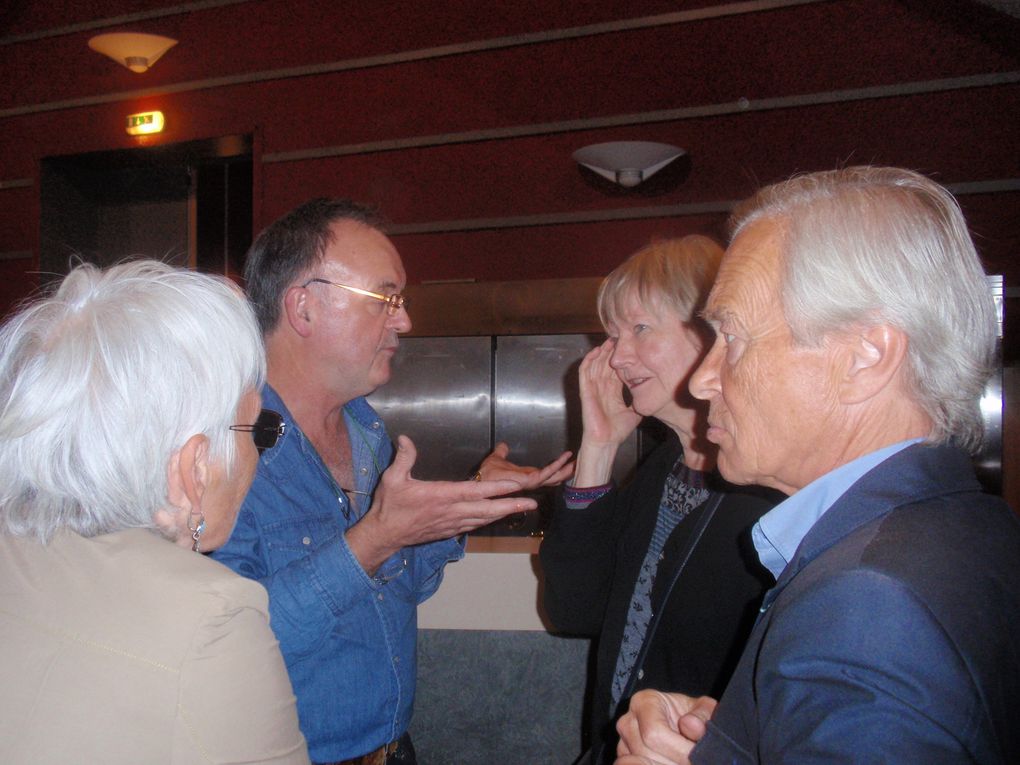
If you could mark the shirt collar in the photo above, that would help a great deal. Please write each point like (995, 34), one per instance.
(779, 532)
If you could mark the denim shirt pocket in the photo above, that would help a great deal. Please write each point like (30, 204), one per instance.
(296, 538)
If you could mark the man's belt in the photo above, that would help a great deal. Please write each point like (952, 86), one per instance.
(376, 757)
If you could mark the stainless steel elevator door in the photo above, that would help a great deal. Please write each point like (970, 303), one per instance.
(537, 402)
(440, 395)
(456, 397)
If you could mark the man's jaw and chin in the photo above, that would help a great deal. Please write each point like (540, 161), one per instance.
(382, 371)
(729, 465)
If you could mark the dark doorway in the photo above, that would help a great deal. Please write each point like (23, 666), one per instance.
(189, 204)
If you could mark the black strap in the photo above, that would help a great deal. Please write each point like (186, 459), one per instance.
(685, 555)
(710, 506)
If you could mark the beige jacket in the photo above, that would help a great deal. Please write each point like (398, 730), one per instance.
(125, 648)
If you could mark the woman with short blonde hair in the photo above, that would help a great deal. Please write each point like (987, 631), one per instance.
(657, 570)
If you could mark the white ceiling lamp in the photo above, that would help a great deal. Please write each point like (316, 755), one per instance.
(134, 50)
(627, 163)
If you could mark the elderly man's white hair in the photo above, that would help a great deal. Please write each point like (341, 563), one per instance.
(101, 382)
(884, 245)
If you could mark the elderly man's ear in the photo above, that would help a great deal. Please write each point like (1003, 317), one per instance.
(875, 356)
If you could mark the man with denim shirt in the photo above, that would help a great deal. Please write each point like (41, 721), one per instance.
(346, 544)
(855, 334)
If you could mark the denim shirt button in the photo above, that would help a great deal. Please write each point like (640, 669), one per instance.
(376, 425)
(380, 596)
(306, 541)
(364, 471)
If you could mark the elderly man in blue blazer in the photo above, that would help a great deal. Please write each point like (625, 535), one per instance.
(855, 336)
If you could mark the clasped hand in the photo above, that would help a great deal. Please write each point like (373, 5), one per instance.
(662, 728)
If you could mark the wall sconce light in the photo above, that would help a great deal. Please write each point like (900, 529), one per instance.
(627, 163)
(145, 123)
(134, 50)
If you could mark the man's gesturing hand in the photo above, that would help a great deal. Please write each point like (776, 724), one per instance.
(406, 511)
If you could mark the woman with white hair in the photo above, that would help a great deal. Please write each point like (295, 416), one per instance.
(661, 570)
(130, 428)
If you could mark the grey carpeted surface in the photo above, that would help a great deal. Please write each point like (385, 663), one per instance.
(498, 698)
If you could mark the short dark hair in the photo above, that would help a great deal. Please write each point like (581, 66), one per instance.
(291, 245)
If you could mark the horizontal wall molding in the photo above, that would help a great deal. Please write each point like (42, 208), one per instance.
(999, 186)
(984, 187)
(16, 183)
(422, 54)
(17, 255)
(559, 219)
(639, 213)
(740, 106)
(112, 21)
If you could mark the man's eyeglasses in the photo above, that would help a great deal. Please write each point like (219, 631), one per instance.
(266, 431)
(393, 302)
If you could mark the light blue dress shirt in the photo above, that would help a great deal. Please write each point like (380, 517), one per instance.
(779, 532)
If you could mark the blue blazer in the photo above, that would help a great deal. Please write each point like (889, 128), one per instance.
(892, 636)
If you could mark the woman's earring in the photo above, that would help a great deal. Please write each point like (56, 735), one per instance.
(196, 528)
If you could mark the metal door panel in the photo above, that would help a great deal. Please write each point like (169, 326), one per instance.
(537, 402)
(439, 396)
(456, 397)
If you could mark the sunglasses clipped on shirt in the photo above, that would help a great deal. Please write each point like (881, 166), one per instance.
(266, 431)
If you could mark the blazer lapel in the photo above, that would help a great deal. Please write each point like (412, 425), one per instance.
(915, 473)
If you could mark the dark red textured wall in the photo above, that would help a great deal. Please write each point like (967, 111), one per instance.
(458, 118)
(823, 51)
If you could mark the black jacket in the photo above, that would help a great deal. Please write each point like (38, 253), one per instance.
(591, 559)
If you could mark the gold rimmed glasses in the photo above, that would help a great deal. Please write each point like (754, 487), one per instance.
(393, 302)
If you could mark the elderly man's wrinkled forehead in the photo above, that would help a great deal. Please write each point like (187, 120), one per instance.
(750, 278)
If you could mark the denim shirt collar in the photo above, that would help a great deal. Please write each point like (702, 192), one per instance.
(370, 448)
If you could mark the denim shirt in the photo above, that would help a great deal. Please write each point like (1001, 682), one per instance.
(349, 639)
